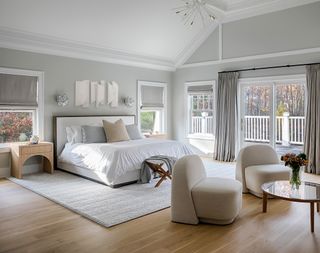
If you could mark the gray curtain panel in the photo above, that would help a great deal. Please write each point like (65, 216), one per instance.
(226, 117)
(18, 90)
(312, 125)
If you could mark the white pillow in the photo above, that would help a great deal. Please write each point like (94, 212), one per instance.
(74, 134)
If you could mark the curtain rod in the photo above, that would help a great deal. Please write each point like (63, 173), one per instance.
(272, 67)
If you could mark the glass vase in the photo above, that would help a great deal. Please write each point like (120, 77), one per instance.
(295, 177)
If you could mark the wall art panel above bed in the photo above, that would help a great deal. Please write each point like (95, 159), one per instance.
(98, 93)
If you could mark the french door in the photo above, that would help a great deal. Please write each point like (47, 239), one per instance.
(272, 111)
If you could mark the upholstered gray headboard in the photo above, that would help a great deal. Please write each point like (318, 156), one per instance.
(61, 122)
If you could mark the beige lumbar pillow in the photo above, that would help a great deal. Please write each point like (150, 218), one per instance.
(115, 131)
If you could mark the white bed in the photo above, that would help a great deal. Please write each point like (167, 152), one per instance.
(114, 164)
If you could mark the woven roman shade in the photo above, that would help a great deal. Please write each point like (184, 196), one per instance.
(200, 89)
(17, 90)
(152, 96)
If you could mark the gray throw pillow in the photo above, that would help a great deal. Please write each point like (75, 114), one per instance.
(134, 132)
(93, 134)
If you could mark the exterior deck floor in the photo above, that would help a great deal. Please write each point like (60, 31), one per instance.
(281, 149)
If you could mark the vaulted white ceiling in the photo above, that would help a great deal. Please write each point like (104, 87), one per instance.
(144, 33)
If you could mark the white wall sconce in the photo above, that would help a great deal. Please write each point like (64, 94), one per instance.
(62, 100)
(128, 101)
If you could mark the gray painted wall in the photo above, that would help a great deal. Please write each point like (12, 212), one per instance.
(60, 74)
(279, 31)
(291, 29)
(208, 51)
(211, 73)
(294, 28)
(182, 76)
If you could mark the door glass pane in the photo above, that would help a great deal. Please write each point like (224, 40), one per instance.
(257, 111)
(290, 117)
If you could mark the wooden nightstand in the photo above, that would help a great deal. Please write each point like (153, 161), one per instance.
(20, 152)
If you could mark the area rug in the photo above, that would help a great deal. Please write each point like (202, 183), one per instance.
(103, 204)
(220, 169)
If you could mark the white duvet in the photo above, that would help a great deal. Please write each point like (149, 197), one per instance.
(115, 159)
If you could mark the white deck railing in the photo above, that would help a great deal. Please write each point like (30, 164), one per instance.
(289, 129)
(202, 125)
(257, 128)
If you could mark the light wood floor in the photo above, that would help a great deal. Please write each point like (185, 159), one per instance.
(31, 223)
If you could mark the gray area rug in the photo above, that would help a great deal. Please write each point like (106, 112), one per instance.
(103, 204)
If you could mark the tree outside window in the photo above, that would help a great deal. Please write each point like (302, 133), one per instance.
(15, 126)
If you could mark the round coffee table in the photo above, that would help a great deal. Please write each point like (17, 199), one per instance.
(308, 192)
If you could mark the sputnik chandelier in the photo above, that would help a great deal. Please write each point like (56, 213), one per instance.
(195, 9)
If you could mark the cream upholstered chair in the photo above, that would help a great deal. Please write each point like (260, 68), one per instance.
(196, 197)
(258, 164)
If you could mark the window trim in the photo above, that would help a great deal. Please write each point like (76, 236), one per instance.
(154, 84)
(39, 124)
(187, 109)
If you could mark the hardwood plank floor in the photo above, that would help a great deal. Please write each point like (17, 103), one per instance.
(31, 223)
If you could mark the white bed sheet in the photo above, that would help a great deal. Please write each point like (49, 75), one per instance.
(115, 159)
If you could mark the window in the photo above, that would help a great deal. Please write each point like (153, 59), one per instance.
(21, 106)
(200, 97)
(273, 112)
(152, 107)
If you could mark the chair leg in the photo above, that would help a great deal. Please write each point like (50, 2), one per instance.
(160, 181)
